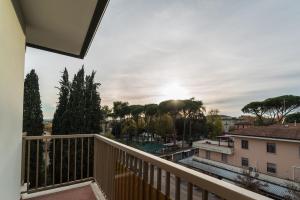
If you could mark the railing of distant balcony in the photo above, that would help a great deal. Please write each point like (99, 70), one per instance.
(122, 172)
(55, 161)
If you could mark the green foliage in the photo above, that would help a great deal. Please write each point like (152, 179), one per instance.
(64, 93)
(276, 108)
(291, 118)
(78, 109)
(249, 180)
(164, 125)
(214, 124)
(78, 112)
(120, 109)
(109, 135)
(147, 117)
(129, 128)
(32, 112)
(33, 124)
(293, 192)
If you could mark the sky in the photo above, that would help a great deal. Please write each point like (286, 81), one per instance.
(226, 53)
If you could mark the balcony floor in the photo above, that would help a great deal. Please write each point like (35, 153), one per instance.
(82, 193)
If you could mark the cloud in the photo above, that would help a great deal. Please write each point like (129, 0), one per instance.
(225, 53)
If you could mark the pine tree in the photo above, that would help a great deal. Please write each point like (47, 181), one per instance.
(33, 126)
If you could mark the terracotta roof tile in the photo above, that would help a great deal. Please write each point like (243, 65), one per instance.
(289, 131)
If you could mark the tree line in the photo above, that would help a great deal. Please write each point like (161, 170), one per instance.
(171, 120)
(77, 112)
(273, 110)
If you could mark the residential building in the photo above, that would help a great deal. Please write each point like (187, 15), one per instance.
(272, 150)
(228, 122)
(67, 27)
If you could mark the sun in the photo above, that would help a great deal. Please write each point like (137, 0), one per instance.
(173, 91)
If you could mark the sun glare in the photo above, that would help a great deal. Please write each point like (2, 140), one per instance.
(173, 91)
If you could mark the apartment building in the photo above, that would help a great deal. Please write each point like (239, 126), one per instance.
(272, 150)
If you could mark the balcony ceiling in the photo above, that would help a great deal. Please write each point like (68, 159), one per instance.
(61, 26)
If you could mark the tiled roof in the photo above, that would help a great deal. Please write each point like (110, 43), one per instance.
(289, 131)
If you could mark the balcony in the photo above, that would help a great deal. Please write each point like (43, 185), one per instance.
(119, 171)
(215, 146)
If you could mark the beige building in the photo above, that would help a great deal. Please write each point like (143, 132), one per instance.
(273, 150)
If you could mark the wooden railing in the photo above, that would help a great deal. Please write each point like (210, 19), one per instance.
(122, 172)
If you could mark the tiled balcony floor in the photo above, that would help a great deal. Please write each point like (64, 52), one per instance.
(81, 193)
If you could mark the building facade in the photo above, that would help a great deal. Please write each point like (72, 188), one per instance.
(271, 150)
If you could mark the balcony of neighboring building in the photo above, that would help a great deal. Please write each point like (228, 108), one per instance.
(223, 145)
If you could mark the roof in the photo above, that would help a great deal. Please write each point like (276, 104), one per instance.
(62, 26)
(231, 176)
(243, 123)
(289, 131)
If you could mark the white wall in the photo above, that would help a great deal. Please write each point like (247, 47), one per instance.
(12, 52)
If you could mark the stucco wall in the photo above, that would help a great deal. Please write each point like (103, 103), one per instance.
(12, 52)
(286, 156)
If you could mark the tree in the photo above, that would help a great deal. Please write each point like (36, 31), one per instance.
(256, 108)
(249, 180)
(294, 117)
(76, 106)
(92, 110)
(214, 123)
(129, 128)
(64, 94)
(120, 109)
(105, 113)
(173, 108)
(193, 111)
(164, 125)
(78, 112)
(150, 110)
(32, 111)
(293, 192)
(275, 109)
(33, 125)
(283, 105)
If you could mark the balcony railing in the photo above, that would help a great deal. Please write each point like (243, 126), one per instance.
(121, 172)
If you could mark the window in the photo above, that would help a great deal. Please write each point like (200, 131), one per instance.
(271, 168)
(224, 157)
(207, 156)
(244, 144)
(271, 147)
(245, 162)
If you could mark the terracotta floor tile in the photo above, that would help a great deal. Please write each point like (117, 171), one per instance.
(82, 193)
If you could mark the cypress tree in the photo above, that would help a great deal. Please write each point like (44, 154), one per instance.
(64, 92)
(76, 105)
(78, 112)
(32, 111)
(33, 126)
(92, 105)
(59, 127)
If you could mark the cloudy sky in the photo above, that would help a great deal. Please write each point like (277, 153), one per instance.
(224, 52)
